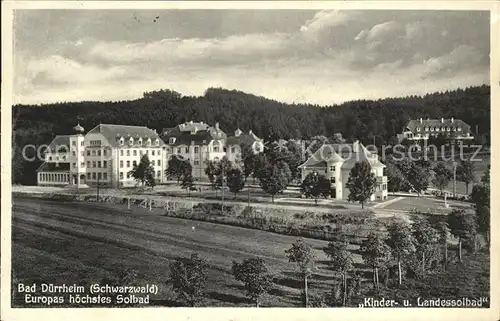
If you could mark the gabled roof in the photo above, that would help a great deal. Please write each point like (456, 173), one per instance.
(60, 141)
(457, 123)
(347, 154)
(113, 132)
(243, 139)
(191, 132)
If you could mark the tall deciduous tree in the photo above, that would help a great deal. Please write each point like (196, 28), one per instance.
(401, 242)
(341, 260)
(144, 172)
(426, 238)
(442, 176)
(274, 179)
(376, 254)
(303, 255)
(463, 226)
(235, 180)
(315, 185)
(178, 168)
(188, 277)
(361, 183)
(255, 276)
(465, 173)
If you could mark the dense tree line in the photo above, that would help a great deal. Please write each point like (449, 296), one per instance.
(366, 120)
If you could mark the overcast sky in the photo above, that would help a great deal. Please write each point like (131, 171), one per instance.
(321, 57)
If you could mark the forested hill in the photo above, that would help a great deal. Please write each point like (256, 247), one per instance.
(269, 119)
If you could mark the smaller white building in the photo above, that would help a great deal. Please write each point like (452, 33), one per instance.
(335, 161)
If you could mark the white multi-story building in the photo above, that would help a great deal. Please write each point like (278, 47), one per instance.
(335, 161)
(105, 155)
(198, 142)
(423, 129)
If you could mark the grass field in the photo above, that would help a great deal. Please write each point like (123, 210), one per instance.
(80, 243)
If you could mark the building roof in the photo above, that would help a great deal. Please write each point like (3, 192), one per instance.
(347, 154)
(53, 167)
(243, 139)
(59, 142)
(192, 132)
(113, 133)
(427, 123)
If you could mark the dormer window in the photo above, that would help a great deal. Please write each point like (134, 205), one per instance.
(157, 142)
(418, 129)
(426, 129)
(148, 142)
(131, 141)
(140, 141)
(432, 129)
(171, 140)
(459, 129)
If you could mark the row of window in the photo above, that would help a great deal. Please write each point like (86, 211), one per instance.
(443, 129)
(179, 150)
(139, 141)
(92, 176)
(97, 164)
(54, 177)
(122, 174)
(73, 143)
(94, 152)
(154, 152)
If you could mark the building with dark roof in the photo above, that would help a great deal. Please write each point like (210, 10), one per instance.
(335, 161)
(423, 129)
(104, 156)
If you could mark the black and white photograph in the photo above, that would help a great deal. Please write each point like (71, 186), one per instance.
(250, 158)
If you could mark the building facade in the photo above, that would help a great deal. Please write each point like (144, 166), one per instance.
(104, 156)
(419, 130)
(199, 142)
(335, 161)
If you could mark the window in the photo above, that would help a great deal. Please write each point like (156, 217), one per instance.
(93, 175)
(131, 141)
(418, 129)
(171, 140)
(99, 152)
(128, 152)
(332, 168)
(134, 163)
(74, 164)
(233, 150)
(426, 129)
(88, 175)
(432, 129)
(196, 149)
(157, 142)
(140, 141)
(141, 152)
(153, 152)
(105, 164)
(134, 152)
(82, 164)
(88, 164)
(158, 174)
(121, 175)
(447, 129)
(93, 153)
(105, 152)
(197, 162)
(50, 158)
(99, 176)
(121, 164)
(158, 163)
(187, 150)
(121, 152)
(121, 141)
(216, 149)
(459, 129)
(99, 164)
(81, 153)
(147, 152)
(128, 175)
(95, 143)
(73, 143)
(128, 164)
(105, 176)
(178, 150)
(332, 180)
(74, 153)
(93, 164)
(82, 143)
(88, 153)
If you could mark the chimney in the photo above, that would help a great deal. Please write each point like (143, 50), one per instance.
(442, 120)
(191, 122)
(452, 119)
(250, 132)
(420, 119)
(355, 146)
(237, 132)
(217, 125)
